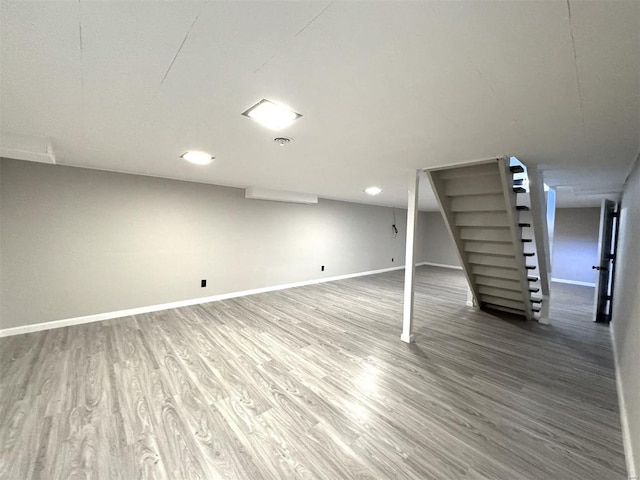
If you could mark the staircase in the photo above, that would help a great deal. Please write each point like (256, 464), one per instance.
(486, 207)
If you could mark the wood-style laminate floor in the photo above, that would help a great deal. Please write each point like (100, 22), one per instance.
(314, 382)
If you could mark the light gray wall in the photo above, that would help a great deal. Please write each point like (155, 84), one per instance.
(626, 312)
(77, 242)
(575, 244)
(436, 245)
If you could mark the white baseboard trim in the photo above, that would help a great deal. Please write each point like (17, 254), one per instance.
(67, 322)
(624, 420)
(573, 282)
(441, 265)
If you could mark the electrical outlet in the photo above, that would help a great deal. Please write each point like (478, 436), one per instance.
(203, 283)
(322, 268)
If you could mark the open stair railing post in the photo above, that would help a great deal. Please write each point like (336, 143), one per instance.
(511, 202)
(541, 232)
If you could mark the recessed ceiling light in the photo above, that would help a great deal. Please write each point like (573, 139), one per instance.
(272, 115)
(282, 141)
(197, 158)
(372, 190)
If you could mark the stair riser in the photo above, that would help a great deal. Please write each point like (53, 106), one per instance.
(485, 234)
(482, 219)
(492, 261)
(478, 203)
(472, 186)
(495, 272)
(505, 250)
(503, 302)
(500, 293)
(513, 285)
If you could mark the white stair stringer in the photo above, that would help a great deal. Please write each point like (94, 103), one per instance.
(478, 201)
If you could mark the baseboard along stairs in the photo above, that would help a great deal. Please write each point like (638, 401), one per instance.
(487, 209)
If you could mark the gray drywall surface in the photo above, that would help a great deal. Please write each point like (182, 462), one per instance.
(575, 244)
(437, 244)
(78, 242)
(626, 312)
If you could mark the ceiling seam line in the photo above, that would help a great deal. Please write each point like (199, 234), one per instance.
(184, 40)
(575, 66)
(296, 35)
(267, 61)
(507, 109)
(509, 113)
(83, 133)
(314, 19)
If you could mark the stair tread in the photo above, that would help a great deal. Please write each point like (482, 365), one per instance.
(528, 254)
(489, 248)
(501, 308)
(495, 282)
(495, 272)
(526, 240)
(482, 219)
(530, 267)
(493, 266)
(496, 300)
(485, 226)
(485, 234)
(533, 279)
(501, 293)
(522, 208)
(516, 169)
(524, 225)
(519, 190)
(489, 254)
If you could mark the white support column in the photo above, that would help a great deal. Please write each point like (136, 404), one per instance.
(544, 311)
(410, 259)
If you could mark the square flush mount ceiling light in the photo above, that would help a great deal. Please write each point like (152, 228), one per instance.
(272, 115)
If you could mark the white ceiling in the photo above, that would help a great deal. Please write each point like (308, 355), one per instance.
(384, 88)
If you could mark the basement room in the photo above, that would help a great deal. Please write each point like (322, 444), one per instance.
(320, 240)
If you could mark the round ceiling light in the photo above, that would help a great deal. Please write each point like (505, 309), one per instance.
(197, 158)
(282, 141)
(373, 190)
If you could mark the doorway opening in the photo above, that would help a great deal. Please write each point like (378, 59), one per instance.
(607, 249)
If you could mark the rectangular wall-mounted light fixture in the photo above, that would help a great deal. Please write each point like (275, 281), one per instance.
(257, 193)
(26, 147)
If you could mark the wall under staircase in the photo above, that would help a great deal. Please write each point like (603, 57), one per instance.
(487, 209)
